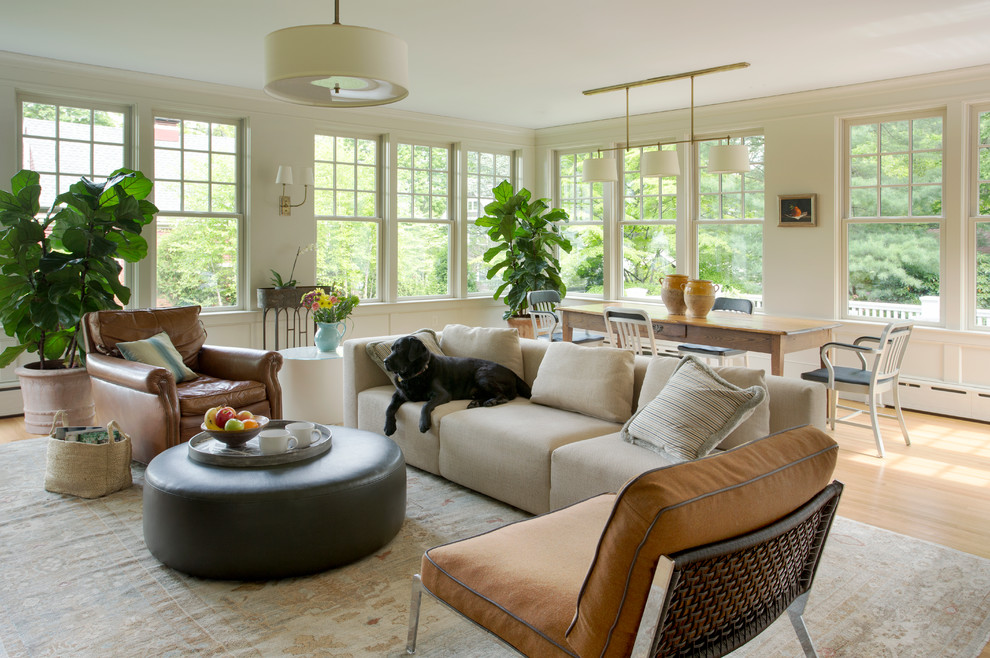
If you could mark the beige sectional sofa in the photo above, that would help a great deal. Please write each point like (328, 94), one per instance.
(564, 444)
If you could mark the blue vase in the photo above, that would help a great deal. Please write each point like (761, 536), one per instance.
(328, 335)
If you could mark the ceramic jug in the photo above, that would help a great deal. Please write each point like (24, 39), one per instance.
(699, 296)
(672, 293)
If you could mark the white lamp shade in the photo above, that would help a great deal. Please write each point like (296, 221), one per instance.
(731, 159)
(600, 170)
(659, 163)
(304, 64)
(308, 176)
(284, 175)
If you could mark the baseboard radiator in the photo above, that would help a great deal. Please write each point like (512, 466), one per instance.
(961, 401)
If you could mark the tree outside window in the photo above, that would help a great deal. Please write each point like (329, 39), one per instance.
(649, 227)
(423, 214)
(485, 170)
(982, 238)
(198, 192)
(583, 269)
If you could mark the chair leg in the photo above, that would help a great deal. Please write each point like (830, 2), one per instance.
(900, 414)
(833, 399)
(796, 613)
(876, 424)
(414, 605)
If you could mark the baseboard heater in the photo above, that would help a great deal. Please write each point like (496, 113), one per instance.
(969, 402)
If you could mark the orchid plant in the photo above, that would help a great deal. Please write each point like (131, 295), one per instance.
(332, 305)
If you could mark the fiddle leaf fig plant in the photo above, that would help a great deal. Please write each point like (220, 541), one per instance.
(57, 267)
(525, 233)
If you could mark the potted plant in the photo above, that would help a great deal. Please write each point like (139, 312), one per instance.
(525, 233)
(55, 268)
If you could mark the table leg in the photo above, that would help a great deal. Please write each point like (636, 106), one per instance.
(776, 357)
(566, 330)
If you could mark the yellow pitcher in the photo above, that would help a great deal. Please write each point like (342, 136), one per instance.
(672, 293)
(699, 297)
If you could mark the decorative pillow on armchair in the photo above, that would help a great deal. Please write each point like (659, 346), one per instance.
(693, 412)
(157, 351)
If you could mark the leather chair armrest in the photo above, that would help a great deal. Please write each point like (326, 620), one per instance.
(245, 364)
(129, 374)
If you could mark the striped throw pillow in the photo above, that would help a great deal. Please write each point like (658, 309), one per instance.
(693, 412)
(157, 351)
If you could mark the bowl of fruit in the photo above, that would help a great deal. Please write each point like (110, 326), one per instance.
(235, 428)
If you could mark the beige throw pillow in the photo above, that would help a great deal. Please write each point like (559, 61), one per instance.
(594, 381)
(692, 414)
(498, 344)
(380, 349)
(754, 427)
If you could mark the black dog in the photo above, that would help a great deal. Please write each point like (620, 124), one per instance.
(422, 376)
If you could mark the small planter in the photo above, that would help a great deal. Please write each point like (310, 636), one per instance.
(47, 391)
(523, 325)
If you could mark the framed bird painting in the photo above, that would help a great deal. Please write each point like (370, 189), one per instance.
(797, 210)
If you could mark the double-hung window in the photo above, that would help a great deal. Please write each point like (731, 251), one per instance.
(348, 206)
(63, 142)
(892, 216)
(199, 194)
(981, 218)
(729, 224)
(485, 170)
(423, 192)
(583, 269)
(648, 226)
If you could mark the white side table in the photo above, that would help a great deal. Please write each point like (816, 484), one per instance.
(312, 385)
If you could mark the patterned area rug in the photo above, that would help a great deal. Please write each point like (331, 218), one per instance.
(77, 580)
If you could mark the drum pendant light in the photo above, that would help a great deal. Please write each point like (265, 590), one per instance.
(336, 65)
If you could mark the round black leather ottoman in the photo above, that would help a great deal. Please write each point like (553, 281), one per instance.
(270, 522)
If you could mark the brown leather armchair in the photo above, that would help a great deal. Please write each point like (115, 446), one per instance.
(145, 400)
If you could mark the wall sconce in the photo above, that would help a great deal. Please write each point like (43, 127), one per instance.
(284, 177)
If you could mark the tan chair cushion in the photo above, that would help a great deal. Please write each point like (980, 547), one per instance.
(595, 381)
(482, 576)
(203, 393)
(182, 324)
(688, 505)
(498, 344)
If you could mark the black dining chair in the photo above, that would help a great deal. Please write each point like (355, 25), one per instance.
(735, 305)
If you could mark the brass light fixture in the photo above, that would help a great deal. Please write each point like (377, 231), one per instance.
(283, 178)
(722, 159)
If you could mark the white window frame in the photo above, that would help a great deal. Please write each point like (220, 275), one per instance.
(974, 218)
(846, 219)
(464, 152)
(608, 196)
(240, 200)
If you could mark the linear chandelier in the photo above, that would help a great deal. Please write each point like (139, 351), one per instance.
(722, 159)
(336, 65)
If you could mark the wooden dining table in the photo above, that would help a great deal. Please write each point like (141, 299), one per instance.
(767, 334)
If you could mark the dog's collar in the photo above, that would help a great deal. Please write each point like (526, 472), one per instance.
(400, 378)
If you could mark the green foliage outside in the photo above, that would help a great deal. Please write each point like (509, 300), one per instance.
(197, 261)
(347, 252)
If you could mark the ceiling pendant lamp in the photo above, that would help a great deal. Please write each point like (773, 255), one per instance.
(336, 65)
(728, 159)
(659, 163)
(600, 170)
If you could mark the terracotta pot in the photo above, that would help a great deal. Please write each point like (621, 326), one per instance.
(522, 324)
(699, 296)
(47, 391)
(672, 293)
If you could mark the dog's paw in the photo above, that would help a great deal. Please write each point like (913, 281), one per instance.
(424, 425)
(389, 427)
(473, 404)
(494, 402)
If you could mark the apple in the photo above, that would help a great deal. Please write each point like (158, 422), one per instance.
(223, 415)
(233, 425)
(245, 415)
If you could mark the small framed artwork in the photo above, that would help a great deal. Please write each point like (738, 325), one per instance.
(797, 210)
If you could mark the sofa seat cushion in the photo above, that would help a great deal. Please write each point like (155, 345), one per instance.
(197, 396)
(473, 575)
(420, 450)
(504, 451)
(598, 465)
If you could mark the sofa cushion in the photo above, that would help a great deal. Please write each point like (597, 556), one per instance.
(498, 344)
(754, 427)
(199, 395)
(378, 350)
(691, 504)
(594, 381)
(504, 451)
(693, 412)
(157, 351)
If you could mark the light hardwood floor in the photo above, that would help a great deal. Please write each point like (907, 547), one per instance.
(936, 489)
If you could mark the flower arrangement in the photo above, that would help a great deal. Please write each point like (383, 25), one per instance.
(332, 305)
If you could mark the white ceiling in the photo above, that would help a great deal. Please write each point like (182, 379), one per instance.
(525, 62)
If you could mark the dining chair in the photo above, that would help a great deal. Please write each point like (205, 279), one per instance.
(546, 320)
(887, 351)
(631, 329)
(735, 305)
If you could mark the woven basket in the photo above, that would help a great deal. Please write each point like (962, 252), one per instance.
(88, 470)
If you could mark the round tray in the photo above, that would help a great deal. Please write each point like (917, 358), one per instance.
(204, 448)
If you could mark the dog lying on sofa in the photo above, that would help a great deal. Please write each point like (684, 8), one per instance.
(422, 376)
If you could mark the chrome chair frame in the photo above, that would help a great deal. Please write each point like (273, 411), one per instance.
(732, 304)
(633, 330)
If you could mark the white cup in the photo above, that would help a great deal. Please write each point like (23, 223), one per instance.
(304, 433)
(275, 442)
